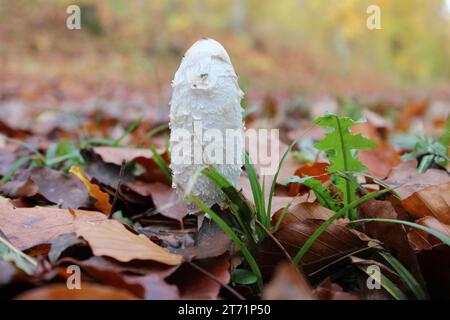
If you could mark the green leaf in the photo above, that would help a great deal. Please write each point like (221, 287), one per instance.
(243, 276)
(238, 204)
(8, 175)
(405, 275)
(388, 285)
(324, 226)
(257, 191)
(161, 163)
(340, 146)
(433, 232)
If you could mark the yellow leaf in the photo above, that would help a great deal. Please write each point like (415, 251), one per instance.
(110, 238)
(102, 198)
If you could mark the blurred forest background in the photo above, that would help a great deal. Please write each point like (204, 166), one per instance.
(301, 46)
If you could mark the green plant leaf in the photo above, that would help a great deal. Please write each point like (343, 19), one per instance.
(161, 163)
(405, 275)
(388, 285)
(238, 204)
(340, 146)
(243, 276)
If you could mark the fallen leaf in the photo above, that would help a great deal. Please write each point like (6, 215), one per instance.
(64, 190)
(327, 290)
(7, 272)
(102, 198)
(211, 242)
(318, 169)
(303, 211)
(163, 196)
(337, 241)
(432, 201)
(144, 279)
(288, 284)
(380, 160)
(406, 180)
(118, 155)
(88, 291)
(110, 238)
(194, 284)
(423, 240)
(61, 243)
(435, 266)
(392, 235)
(7, 159)
(28, 227)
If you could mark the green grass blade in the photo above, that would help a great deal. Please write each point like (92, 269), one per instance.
(389, 286)
(258, 195)
(239, 205)
(161, 163)
(10, 253)
(433, 232)
(274, 182)
(405, 275)
(131, 128)
(8, 175)
(304, 249)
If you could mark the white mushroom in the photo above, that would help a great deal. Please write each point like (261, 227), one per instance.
(205, 105)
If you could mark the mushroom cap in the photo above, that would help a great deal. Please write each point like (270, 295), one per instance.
(205, 48)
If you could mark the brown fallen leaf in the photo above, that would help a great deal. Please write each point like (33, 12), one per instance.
(435, 266)
(7, 272)
(64, 190)
(118, 155)
(318, 169)
(422, 240)
(211, 242)
(328, 290)
(163, 196)
(28, 227)
(303, 211)
(62, 243)
(88, 291)
(406, 180)
(336, 242)
(380, 160)
(432, 201)
(7, 159)
(102, 198)
(288, 284)
(195, 284)
(144, 279)
(392, 235)
(110, 238)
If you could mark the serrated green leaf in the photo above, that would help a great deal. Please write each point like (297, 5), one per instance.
(340, 145)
